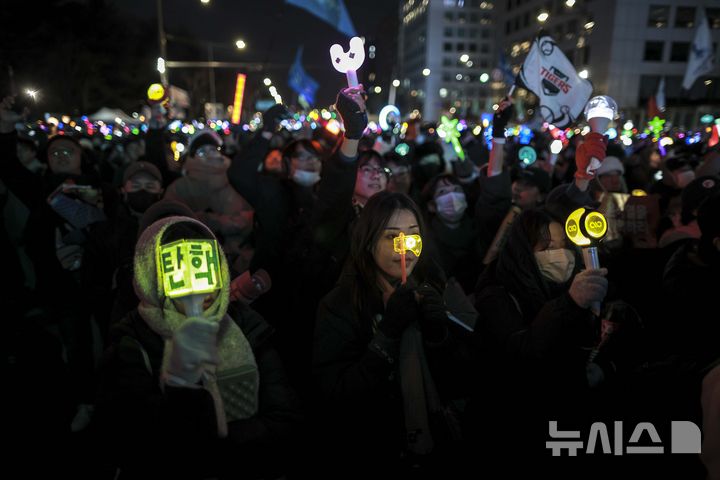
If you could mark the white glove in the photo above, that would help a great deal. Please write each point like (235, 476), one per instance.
(193, 348)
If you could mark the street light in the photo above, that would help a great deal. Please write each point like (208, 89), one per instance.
(570, 3)
(426, 72)
(378, 89)
(33, 93)
(205, 2)
(161, 65)
(396, 83)
(543, 17)
(484, 77)
(267, 82)
(240, 44)
(589, 25)
(464, 57)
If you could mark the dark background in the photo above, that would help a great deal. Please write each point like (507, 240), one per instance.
(83, 55)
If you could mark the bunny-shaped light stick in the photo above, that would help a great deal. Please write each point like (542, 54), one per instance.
(349, 62)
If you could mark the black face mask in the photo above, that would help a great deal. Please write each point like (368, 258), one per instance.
(141, 200)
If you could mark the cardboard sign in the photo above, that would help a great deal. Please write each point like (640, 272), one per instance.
(188, 267)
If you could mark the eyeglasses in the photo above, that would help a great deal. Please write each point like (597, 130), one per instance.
(370, 171)
(62, 152)
(207, 150)
(152, 186)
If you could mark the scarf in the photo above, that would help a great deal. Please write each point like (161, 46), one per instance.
(236, 374)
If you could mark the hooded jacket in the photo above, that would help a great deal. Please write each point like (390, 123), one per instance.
(173, 430)
(208, 193)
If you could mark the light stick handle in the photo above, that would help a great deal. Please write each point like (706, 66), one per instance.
(193, 305)
(592, 262)
(403, 268)
(352, 78)
(511, 91)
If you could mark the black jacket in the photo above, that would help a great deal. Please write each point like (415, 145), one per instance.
(173, 432)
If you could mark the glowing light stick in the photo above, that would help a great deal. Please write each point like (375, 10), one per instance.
(401, 244)
(189, 270)
(385, 113)
(349, 62)
(448, 131)
(156, 93)
(599, 112)
(585, 228)
(656, 126)
(527, 155)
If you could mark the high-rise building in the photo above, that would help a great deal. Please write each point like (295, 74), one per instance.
(625, 46)
(446, 53)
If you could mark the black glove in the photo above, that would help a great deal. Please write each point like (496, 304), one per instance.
(400, 311)
(354, 120)
(433, 316)
(273, 116)
(500, 120)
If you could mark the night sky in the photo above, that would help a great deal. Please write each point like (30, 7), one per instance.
(273, 31)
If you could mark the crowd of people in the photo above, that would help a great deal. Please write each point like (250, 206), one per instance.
(322, 349)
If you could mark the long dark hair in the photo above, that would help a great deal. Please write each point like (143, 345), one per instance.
(516, 267)
(367, 231)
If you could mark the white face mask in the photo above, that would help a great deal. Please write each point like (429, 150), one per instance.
(556, 265)
(305, 178)
(451, 206)
(683, 178)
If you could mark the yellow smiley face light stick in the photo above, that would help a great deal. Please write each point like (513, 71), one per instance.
(586, 228)
(401, 244)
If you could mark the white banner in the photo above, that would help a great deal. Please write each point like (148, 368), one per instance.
(701, 58)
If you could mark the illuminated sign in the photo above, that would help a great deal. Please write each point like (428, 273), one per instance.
(189, 267)
(527, 155)
(237, 103)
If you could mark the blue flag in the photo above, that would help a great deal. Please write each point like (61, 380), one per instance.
(302, 83)
(504, 67)
(332, 11)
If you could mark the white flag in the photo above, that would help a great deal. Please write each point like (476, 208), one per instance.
(549, 74)
(701, 59)
(660, 95)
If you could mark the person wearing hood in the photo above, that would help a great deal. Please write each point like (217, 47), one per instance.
(192, 387)
(27, 154)
(206, 190)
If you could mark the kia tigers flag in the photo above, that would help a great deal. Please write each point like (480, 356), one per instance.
(548, 73)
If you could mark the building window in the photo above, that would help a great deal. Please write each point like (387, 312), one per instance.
(516, 23)
(461, 32)
(446, 77)
(462, 17)
(508, 28)
(653, 52)
(448, 32)
(449, 16)
(447, 47)
(473, 32)
(474, 18)
(473, 47)
(679, 51)
(685, 17)
(485, 33)
(447, 62)
(526, 19)
(484, 48)
(459, 47)
(713, 16)
(483, 64)
(658, 16)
